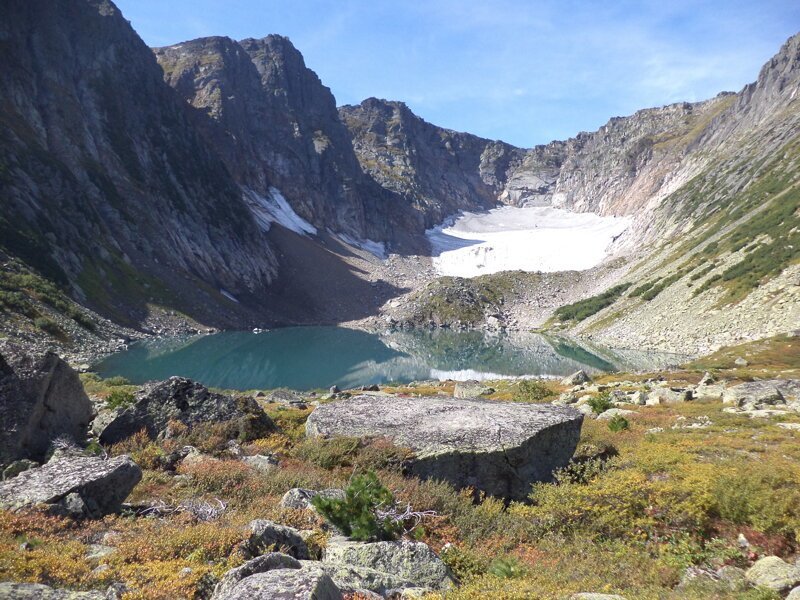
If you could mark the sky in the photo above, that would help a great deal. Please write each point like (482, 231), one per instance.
(524, 71)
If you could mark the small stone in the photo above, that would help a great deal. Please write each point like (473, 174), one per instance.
(741, 362)
(576, 378)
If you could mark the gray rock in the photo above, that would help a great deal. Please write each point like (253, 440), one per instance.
(286, 397)
(794, 594)
(267, 536)
(41, 399)
(101, 485)
(615, 412)
(593, 596)
(500, 448)
(773, 573)
(260, 564)
(180, 399)
(471, 389)
(307, 583)
(380, 566)
(665, 395)
(261, 462)
(711, 391)
(741, 362)
(299, 498)
(36, 591)
(576, 378)
(757, 392)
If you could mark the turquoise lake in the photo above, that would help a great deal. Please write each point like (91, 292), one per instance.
(305, 358)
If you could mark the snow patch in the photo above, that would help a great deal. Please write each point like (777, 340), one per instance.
(529, 238)
(376, 248)
(275, 209)
(228, 295)
(473, 375)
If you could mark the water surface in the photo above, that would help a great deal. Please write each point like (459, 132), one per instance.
(305, 358)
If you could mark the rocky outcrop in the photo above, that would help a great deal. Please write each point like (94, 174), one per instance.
(41, 399)
(277, 127)
(260, 564)
(268, 536)
(438, 170)
(185, 401)
(773, 573)
(307, 583)
(496, 447)
(37, 591)
(108, 187)
(80, 486)
(383, 566)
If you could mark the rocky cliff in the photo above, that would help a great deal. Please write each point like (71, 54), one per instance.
(107, 186)
(438, 170)
(278, 128)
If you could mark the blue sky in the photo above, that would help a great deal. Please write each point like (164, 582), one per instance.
(526, 72)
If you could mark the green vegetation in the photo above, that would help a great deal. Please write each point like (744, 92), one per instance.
(533, 390)
(120, 399)
(618, 423)
(578, 311)
(357, 515)
(600, 403)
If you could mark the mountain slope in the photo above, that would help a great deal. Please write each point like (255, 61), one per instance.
(106, 185)
(438, 170)
(278, 127)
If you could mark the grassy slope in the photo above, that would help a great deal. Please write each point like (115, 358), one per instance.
(630, 524)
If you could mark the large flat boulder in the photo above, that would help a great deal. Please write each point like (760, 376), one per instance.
(37, 591)
(185, 401)
(79, 485)
(500, 448)
(41, 399)
(768, 391)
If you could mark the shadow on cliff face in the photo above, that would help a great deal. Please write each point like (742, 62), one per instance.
(315, 285)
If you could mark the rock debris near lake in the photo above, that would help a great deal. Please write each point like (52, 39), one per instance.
(73, 484)
(183, 400)
(498, 448)
(41, 399)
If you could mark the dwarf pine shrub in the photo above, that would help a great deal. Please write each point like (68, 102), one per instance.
(358, 515)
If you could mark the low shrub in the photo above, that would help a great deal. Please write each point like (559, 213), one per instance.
(618, 423)
(48, 326)
(120, 399)
(358, 515)
(600, 403)
(533, 390)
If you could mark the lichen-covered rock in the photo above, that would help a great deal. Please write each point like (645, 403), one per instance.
(41, 399)
(471, 389)
(770, 391)
(794, 594)
(773, 573)
(299, 498)
(500, 448)
(615, 412)
(268, 536)
(307, 583)
(183, 400)
(37, 591)
(381, 566)
(260, 564)
(89, 485)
